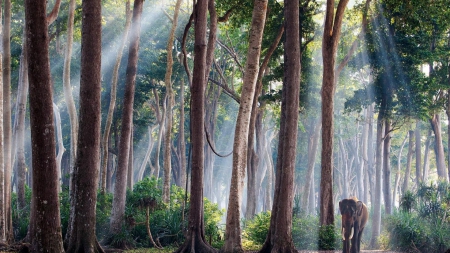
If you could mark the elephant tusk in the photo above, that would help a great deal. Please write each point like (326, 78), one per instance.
(342, 232)
(351, 234)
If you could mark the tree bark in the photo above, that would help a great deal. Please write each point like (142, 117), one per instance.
(426, 157)
(399, 168)
(81, 235)
(195, 236)
(61, 148)
(113, 96)
(370, 154)
(387, 167)
(439, 147)
(279, 238)
(67, 88)
(151, 143)
(181, 139)
(130, 161)
(253, 157)
(118, 208)
(332, 30)
(7, 129)
(169, 94)
(419, 176)
(233, 241)
(2, 148)
(376, 220)
(408, 162)
(45, 232)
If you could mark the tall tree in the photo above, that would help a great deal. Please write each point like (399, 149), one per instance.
(70, 103)
(331, 34)
(81, 235)
(376, 220)
(279, 238)
(2, 148)
(233, 236)
(195, 236)
(7, 128)
(45, 232)
(169, 97)
(113, 96)
(118, 208)
(387, 167)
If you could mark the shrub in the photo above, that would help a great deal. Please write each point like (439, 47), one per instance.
(256, 229)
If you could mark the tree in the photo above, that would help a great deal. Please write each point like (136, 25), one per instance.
(169, 97)
(331, 34)
(118, 209)
(2, 157)
(195, 236)
(279, 238)
(81, 233)
(45, 232)
(232, 231)
(112, 102)
(7, 129)
(70, 103)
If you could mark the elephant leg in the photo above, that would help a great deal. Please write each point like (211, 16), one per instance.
(346, 246)
(359, 240)
(355, 239)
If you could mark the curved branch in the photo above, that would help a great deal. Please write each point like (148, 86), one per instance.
(51, 17)
(227, 90)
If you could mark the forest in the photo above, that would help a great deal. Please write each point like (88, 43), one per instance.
(224, 126)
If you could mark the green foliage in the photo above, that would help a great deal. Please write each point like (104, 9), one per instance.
(328, 238)
(21, 218)
(423, 226)
(256, 229)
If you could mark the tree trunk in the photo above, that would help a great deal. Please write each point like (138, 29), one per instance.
(332, 31)
(279, 238)
(426, 157)
(419, 176)
(387, 167)
(169, 92)
(61, 148)
(67, 88)
(45, 233)
(370, 154)
(439, 147)
(81, 235)
(195, 236)
(376, 220)
(130, 161)
(233, 236)
(22, 96)
(151, 143)
(113, 95)
(364, 153)
(7, 129)
(408, 162)
(344, 169)
(399, 168)
(253, 157)
(2, 149)
(181, 139)
(118, 208)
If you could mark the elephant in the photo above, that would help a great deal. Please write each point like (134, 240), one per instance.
(354, 218)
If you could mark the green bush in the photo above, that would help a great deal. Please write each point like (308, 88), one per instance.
(424, 226)
(21, 218)
(256, 229)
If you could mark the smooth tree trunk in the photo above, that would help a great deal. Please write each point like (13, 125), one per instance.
(130, 162)
(398, 174)
(408, 162)
(70, 103)
(426, 157)
(2, 148)
(370, 154)
(181, 139)
(118, 208)
(112, 101)
(364, 151)
(332, 31)
(279, 238)
(439, 147)
(376, 220)
(81, 235)
(151, 143)
(254, 152)
(7, 128)
(313, 143)
(44, 230)
(233, 242)
(195, 236)
(169, 94)
(61, 148)
(419, 176)
(387, 167)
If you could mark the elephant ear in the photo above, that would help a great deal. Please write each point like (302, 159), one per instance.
(359, 208)
(340, 207)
